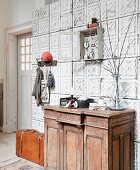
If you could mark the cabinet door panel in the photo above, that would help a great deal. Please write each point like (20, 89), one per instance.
(96, 149)
(121, 153)
(73, 148)
(53, 146)
(116, 156)
(127, 160)
(94, 145)
(122, 156)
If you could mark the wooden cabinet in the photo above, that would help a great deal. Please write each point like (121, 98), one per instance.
(80, 139)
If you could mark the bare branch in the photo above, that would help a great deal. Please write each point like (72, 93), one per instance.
(110, 41)
(107, 50)
(125, 54)
(107, 69)
(126, 35)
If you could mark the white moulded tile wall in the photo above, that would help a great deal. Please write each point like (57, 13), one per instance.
(50, 27)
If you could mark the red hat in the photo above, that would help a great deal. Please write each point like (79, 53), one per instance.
(46, 56)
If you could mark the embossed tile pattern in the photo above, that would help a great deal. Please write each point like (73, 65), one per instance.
(50, 25)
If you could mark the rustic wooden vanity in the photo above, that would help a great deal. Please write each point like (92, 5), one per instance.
(81, 139)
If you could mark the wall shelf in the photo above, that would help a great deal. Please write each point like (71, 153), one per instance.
(41, 63)
(91, 44)
(94, 60)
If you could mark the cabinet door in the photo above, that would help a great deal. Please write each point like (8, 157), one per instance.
(53, 145)
(95, 149)
(123, 148)
(73, 148)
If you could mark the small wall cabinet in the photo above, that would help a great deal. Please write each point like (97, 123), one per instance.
(81, 139)
(91, 44)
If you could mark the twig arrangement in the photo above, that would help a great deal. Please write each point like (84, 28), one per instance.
(115, 61)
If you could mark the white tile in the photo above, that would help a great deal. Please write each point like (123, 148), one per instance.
(55, 53)
(34, 67)
(35, 29)
(38, 125)
(79, 86)
(35, 43)
(76, 46)
(93, 2)
(128, 47)
(66, 84)
(93, 86)
(111, 47)
(37, 113)
(110, 28)
(128, 24)
(35, 15)
(79, 18)
(78, 4)
(137, 130)
(109, 9)
(35, 55)
(66, 6)
(93, 11)
(78, 69)
(138, 35)
(138, 46)
(107, 87)
(55, 23)
(128, 68)
(129, 88)
(44, 26)
(79, 28)
(92, 69)
(107, 68)
(44, 41)
(138, 79)
(54, 99)
(127, 7)
(137, 161)
(54, 40)
(44, 12)
(66, 21)
(66, 69)
(57, 86)
(132, 104)
(42, 50)
(138, 5)
(65, 54)
(65, 38)
(55, 8)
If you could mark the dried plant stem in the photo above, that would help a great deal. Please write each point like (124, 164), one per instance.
(125, 38)
(114, 66)
(107, 50)
(107, 69)
(124, 55)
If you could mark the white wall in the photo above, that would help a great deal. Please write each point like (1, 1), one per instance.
(39, 4)
(3, 23)
(12, 13)
(89, 79)
(20, 11)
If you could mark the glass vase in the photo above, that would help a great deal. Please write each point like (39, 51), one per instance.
(117, 102)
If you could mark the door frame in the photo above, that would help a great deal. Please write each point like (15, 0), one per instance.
(11, 82)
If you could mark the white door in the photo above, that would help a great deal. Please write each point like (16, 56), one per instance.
(24, 81)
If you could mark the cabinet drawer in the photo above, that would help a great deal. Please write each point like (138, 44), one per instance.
(69, 118)
(96, 122)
